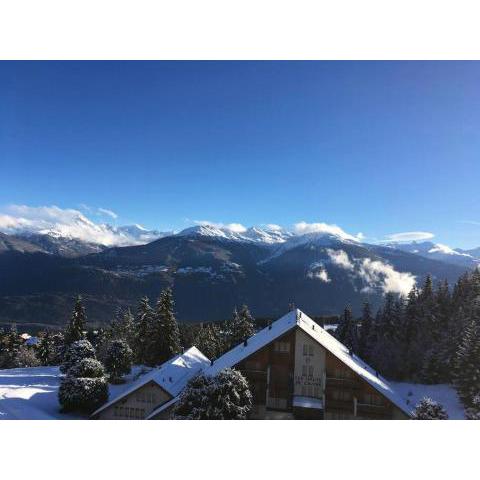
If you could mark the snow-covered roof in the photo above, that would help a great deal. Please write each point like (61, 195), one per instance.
(293, 319)
(32, 341)
(297, 318)
(172, 375)
(355, 363)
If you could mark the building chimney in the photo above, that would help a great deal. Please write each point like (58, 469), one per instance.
(313, 327)
(270, 326)
(211, 363)
(245, 342)
(376, 373)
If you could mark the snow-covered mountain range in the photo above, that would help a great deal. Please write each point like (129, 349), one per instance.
(79, 236)
(439, 251)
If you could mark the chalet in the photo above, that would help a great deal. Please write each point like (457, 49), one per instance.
(155, 388)
(296, 369)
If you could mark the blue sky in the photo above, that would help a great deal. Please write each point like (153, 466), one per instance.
(374, 147)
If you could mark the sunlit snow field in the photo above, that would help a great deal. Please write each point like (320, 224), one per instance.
(31, 393)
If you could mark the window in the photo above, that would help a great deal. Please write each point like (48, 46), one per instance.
(282, 347)
(310, 370)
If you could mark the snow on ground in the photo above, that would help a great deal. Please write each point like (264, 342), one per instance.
(31, 393)
(442, 393)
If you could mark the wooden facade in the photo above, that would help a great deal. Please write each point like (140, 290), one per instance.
(295, 366)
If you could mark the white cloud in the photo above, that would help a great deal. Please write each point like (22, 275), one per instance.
(106, 211)
(375, 274)
(62, 222)
(321, 275)
(233, 227)
(273, 227)
(302, 228)
(409, 236)
(340, 258)
(382, 275)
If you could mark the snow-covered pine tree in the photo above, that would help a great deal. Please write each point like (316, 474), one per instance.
(45, 348)
(75, 329)
(473, 411)
(467, 364)
(26, 357)
(165, 334)
(123, 327)
(118, 361)
(77, 351)
(208, 341)
(433, 370)
(225, 396)
(243, 326)
(143, 323)
(85, 387)
(11, 343)
(346, 331)
(428, 409)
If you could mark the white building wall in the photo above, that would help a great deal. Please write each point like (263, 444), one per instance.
(310, 367)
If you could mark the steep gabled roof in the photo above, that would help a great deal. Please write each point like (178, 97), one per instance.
(291, 320)
(171, 376)
(355, 363)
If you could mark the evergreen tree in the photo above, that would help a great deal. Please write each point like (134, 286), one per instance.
(123, 327)
(428, 409)
(433, 370)
(225, 396)
(45, 348)
(473, 411)
(209, 342)
(242, 326)
(165, 334)
(76, 327)
(119, 361)
(84, 388)
(467, 365)
(387, 352)
(76, 353)
(366, 340)
(346, 331)
(143, 329)
(11, 343)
